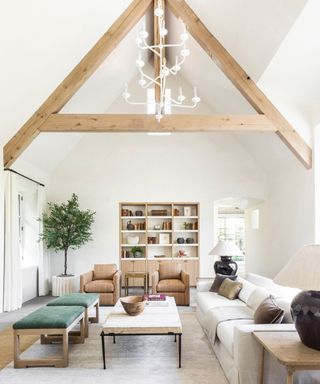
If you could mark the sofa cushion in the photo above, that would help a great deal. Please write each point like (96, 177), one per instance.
(225, 332)
(171, 285)
(247, 289)
(209, 300)
(169, 270)
(219, 280)
(257, 297)
(104, 271)
(99, 286)
(230, 289)
(268, 312)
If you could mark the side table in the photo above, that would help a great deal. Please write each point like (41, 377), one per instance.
(62, 285)
(288, 349)
(136, 275)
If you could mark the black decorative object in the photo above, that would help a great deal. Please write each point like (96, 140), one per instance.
(139, 213)
(305, 311)
(225, 266)
(130, 226)
(189, 240)
(180, 240)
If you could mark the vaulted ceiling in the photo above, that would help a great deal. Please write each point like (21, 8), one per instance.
(259, 34)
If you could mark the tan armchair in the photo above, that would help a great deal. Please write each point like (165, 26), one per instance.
(171, 280)
(105, 280)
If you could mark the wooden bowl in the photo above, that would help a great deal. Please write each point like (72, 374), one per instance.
(133, 305)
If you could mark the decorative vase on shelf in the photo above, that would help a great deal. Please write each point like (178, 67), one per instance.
(130, 226)
(180, 240)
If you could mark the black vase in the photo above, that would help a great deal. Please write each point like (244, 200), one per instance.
(305, 311)
(225, 266)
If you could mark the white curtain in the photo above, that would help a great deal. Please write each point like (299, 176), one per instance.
(44, 260)
(12, 259)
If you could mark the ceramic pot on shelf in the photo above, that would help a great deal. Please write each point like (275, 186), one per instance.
(130, 226)
(180, 240)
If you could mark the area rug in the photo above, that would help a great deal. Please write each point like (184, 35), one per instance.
(132, 360)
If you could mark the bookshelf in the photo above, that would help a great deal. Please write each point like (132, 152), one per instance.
(161, 232)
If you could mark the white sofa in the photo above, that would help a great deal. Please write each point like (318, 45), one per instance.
(229, 324)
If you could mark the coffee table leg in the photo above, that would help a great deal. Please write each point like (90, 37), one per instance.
(114, 339)
(175, 338)
(103, 350)
(180, 350)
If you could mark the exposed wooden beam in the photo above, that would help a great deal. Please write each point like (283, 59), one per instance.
(69, 86)
(145, 123)
(241, 80)
(157, 39)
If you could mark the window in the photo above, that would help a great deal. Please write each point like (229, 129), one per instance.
(231, 227)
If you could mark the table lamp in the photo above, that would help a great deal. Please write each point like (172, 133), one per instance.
(303, 271)
(226, 249)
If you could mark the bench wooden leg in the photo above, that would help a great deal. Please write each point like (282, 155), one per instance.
(65, 348)
(16, 352)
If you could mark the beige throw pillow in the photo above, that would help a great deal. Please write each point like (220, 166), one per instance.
(230, 289)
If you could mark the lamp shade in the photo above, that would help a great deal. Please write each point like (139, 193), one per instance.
(226, 248)
(303, 270)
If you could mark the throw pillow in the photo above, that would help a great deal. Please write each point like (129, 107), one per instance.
(219, 280)
(230, 289)
(268, 312)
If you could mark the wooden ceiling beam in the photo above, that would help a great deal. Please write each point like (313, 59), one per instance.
(77, 77)
(241, 80)
(148, 123)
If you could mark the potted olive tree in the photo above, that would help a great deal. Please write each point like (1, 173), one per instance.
(66, 227)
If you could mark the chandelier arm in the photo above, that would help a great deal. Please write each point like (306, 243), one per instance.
(185, 106)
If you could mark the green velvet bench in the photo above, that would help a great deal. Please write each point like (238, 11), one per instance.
(85, 300)
(48, 321)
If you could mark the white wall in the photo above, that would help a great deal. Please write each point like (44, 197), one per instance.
(287, 220)
(107, 169)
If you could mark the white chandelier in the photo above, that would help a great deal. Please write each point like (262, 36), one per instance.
(162, 103)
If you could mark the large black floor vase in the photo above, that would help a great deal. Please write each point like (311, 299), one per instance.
(305, 311)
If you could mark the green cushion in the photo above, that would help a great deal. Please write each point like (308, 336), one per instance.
(82, 299)
(49, 317)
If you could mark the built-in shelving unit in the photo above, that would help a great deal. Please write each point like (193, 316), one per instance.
(158, 229)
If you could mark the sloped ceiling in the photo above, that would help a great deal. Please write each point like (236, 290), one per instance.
(251, 30)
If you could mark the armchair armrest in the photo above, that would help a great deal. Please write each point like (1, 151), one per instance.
(116, 286)
(84, 279)
(155, 281)
(185, 278)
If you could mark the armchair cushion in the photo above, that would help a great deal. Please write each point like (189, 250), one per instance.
(104, 271)
(171, 285)
(99, 286)
(169, 270)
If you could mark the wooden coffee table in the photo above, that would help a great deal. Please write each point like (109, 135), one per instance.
(154, 321)
(287, 348)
